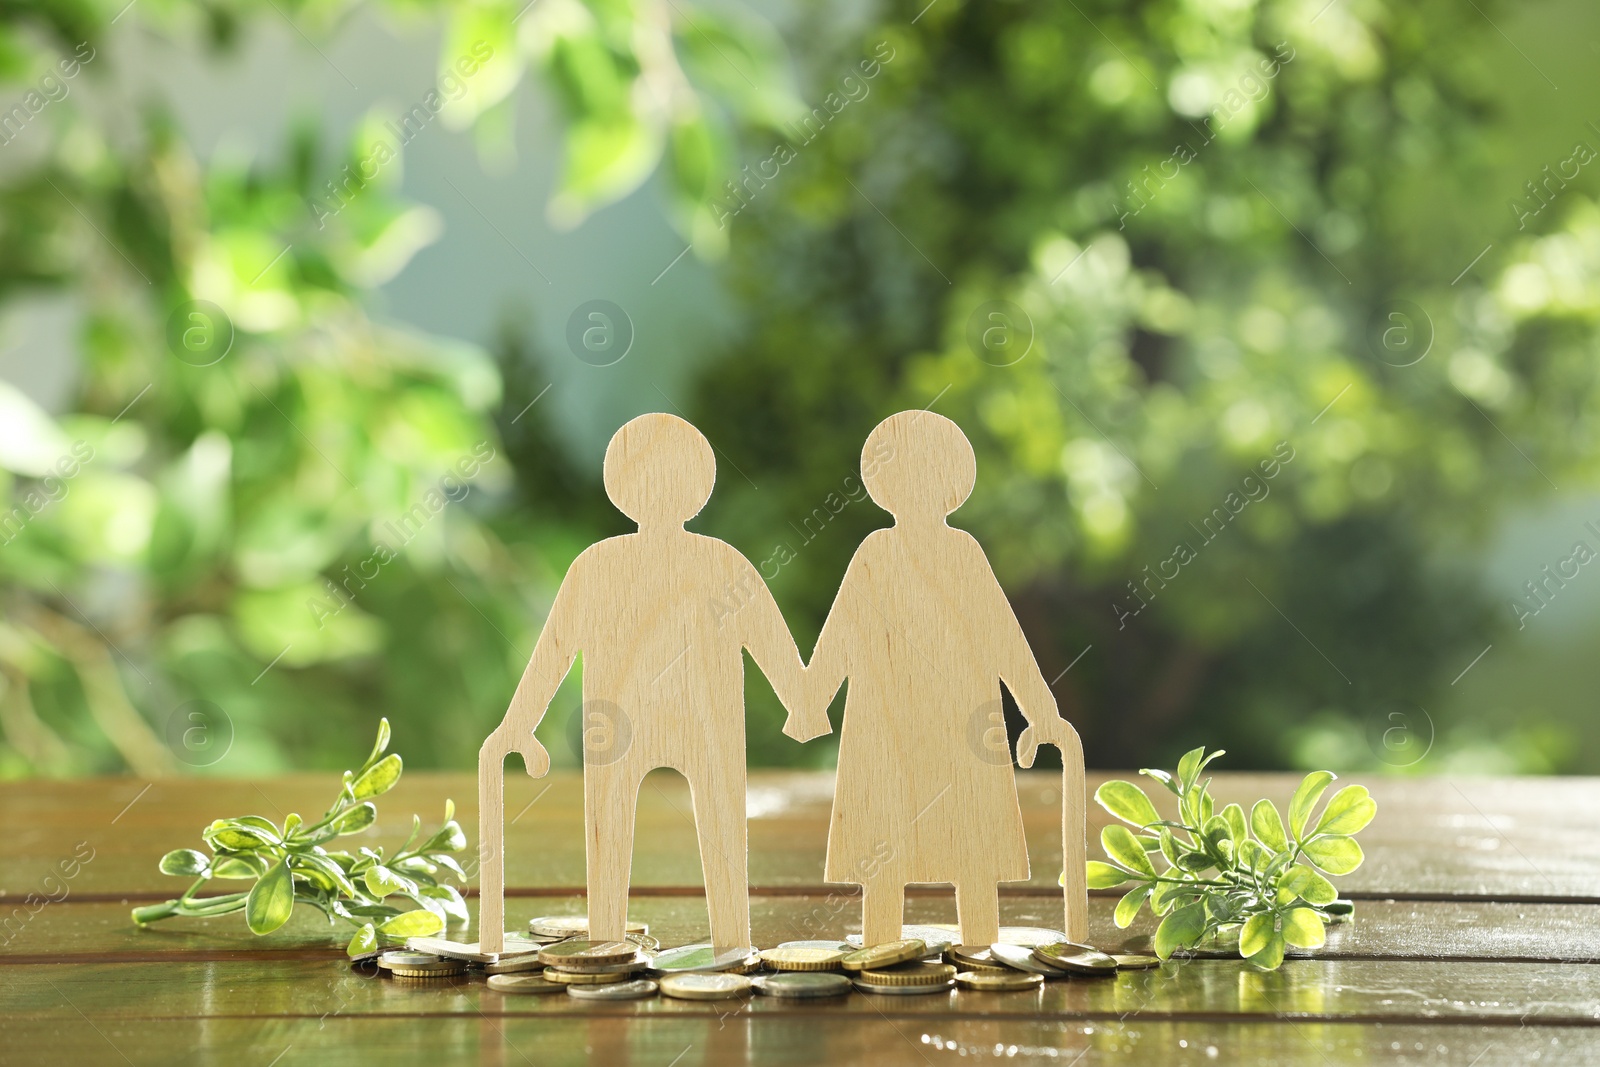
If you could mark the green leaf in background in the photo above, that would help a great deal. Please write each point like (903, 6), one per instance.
(419, 923)
(1303, 882)
(379, 778)
(354, 820)
(379, 746)
(1350, 810)
(364, 941)
(1334, 853)
(1127, 802)
(1105, 876)
(1302, 928)
(1128, 906)
(185, 861)
(271, 900)
(1182, 929)
(1305, 798)
(1258, 932)
(1121, 846)
(1268, 826)
(1222, 878)
(244, 865)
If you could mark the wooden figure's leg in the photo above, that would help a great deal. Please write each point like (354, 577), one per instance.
(610, 795)
(978, 912)
(882, 911)
(718, 796)
(491, 850)
(1074, 848)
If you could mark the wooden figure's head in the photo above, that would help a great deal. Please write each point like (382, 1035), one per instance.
(918, 466)
(659, 470)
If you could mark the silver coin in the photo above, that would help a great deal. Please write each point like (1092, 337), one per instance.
(700, 986)
(1032, 936)
(929, 933)
(565, 926)
(515, 945)
(515, 965)
(1022, 959)
(634, 990)
(828, 946)
(523, 983)
(399, 958)
(802, 984)
(701, 957)
(903, 990)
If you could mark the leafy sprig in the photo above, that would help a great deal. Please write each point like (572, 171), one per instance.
(290, 866)
(1227, 872)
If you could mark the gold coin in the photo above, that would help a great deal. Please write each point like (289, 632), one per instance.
(700, 986)
(569, 967)
(910, 974)
(803, 959)
(430, 972)
(524, 983)
(579, 953)
(551, 974)
(972, 956)
(885, 955)
(515, 965)
(1136, 963)
(1075, 959)
(564, 926)
(903, 990)
(999, 981)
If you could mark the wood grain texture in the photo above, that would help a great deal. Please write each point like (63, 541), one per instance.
(924, 636)
(742, 1037)
(1383, 930)
(1325, 990)
(1514, 839)
(662, 618)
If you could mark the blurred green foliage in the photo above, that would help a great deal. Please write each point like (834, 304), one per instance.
(1143, 252)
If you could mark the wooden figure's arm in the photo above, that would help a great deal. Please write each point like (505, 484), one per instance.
(830, 663)
(1021, 674)
(772, 646)
(553, 656)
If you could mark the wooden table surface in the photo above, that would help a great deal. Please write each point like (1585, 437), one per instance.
(1475, 942)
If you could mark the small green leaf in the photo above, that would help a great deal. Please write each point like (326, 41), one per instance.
(1164, 778)
(271, 900)
(365, 941)
(1122, 846)
(1181, 929)
(1105, 876)
(354, 820)
(1189, 768)
(450, 838)
(419, 923)
(1233, 815)
(1303, 882)
(378, 746)
(1127, 802)
(1302, 928)
(450, 899)
(1334, 853)
(238, 865)
(1305, 798)
(381, 881)
(1258, 932)
(1350, 810)
(1268, 826)
(237, 836)
(187, 862)
(1128, 907)
(1269, 958)
(379, 778)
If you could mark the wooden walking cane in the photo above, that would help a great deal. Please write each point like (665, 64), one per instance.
(1074, 830)
(491, 847)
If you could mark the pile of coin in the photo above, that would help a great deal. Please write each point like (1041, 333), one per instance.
(558, 956)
